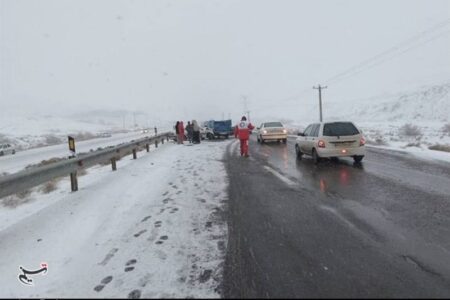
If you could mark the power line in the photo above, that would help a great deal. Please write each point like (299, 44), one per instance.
(378, 59)
(395, 48)
(374, 64)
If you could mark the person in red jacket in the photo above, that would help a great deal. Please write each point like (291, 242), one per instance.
(181, 132)
(242, 131)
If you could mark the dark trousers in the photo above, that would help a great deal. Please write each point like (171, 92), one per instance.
(196, 137)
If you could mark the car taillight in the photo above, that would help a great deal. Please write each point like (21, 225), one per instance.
(362, 141)
(321, 144)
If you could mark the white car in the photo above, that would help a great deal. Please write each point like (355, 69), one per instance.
(331, 140)
(271, 131)
(7, 149)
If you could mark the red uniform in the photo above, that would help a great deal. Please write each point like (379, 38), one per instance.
(242, 131)
(181, 132)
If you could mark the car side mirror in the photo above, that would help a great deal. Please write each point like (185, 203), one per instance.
(258, 128)
(301, 134)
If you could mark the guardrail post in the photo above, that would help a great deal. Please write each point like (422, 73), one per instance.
(156, 143)
(162, 141)
(74, 181)
(134, 153)
(167, 138)
(147, 146)
(156, 131)
(113, 164)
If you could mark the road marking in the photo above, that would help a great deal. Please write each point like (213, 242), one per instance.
(279, 176)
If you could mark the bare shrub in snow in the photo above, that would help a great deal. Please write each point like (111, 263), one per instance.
(51, 139)
(45, 162)
(446, 129)
(377, 141)
(49, 186)
(83, 136)
(413, 145)
(410, 130)
(439, 147)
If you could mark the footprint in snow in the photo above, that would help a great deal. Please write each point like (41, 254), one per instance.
(140, 232)
(158, 224)
(162, 239)
(135, 294)
(146, 218)
(104, 282)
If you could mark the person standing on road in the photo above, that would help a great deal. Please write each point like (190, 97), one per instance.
(242, 131)
(180, 132)
(177, 131)
(190, 131)
(196, 132)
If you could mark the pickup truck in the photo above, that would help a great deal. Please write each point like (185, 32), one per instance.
(217, 129)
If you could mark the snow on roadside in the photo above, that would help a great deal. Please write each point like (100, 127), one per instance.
(154, 228)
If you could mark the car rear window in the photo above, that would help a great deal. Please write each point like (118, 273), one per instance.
(273, 124)
(339, 129)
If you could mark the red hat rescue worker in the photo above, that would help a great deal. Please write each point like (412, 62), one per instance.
(242, 131)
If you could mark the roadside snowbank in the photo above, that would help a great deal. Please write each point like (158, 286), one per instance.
(152, 229)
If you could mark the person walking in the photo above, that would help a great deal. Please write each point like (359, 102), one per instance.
(196, 132)
(190, 132)
(242, 131)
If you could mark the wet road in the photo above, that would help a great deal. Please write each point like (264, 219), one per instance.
(378, 229)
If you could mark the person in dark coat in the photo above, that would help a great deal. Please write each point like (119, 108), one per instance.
(196, 131)
(190, 131)
(177, 131)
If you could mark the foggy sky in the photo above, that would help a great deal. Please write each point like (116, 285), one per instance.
(200, 59)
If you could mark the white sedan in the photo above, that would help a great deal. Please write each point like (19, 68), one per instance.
(331, 140)
(271, 131)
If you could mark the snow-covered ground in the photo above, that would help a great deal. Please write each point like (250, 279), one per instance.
(18, 161)
(152, 229)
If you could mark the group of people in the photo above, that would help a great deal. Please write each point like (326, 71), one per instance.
(191, 132)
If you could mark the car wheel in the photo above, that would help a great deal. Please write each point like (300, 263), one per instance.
(334, 159)
(298, 152)
(14, 152)
(262, 140)
(257, 139)
(1, 153)
(316, 157)
(284, 141)
(358, 158)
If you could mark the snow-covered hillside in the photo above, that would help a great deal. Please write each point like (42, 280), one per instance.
(33, 130)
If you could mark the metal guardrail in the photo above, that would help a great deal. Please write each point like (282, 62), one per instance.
(26, 179)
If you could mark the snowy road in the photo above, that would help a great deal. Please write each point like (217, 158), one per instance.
(17, 162)
(299, 230)
(154, 228)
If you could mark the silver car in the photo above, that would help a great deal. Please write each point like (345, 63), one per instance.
(271, 131)
(7, 149)
(331, 140)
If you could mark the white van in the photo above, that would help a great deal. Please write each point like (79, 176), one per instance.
(332, 140)
(7, 149)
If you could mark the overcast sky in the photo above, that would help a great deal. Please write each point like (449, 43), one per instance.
(186, 59)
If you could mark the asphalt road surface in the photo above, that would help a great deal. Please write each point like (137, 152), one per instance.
(378, 229)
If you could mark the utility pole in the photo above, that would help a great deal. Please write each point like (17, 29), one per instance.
(246, 110)
(320, 88)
